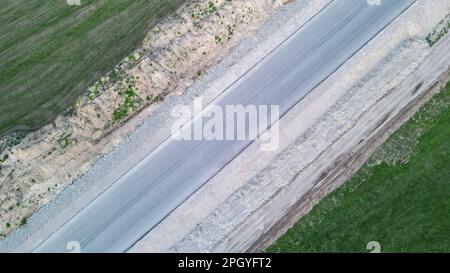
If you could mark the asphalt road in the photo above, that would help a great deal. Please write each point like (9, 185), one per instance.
(144, 196)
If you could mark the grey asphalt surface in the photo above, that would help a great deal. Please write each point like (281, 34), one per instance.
(144, 196)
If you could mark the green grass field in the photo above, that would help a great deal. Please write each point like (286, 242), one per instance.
(402, 203)
(50, 51)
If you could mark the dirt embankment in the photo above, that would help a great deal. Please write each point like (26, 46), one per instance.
(33, 170)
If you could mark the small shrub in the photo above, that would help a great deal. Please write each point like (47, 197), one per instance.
(23, 221)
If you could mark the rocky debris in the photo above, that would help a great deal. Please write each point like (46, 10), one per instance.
(35, 167)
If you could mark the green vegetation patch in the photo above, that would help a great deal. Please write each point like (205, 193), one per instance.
(125, 86)
(439, 33)
(400, 198)
(50, 52)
